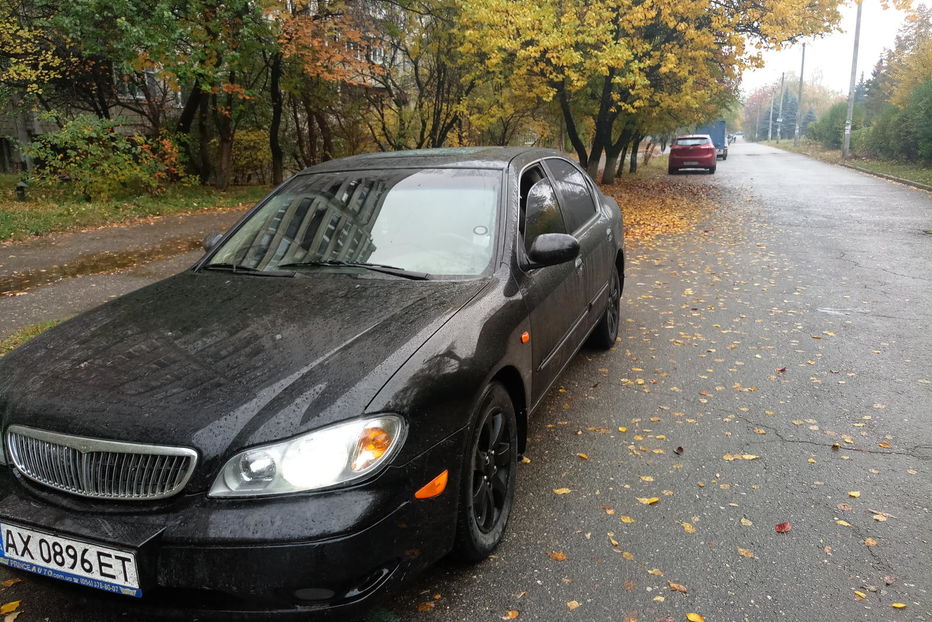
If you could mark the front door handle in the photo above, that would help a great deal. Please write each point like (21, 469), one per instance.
(579, 264)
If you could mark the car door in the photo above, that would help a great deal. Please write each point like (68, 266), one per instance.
(555, 295)
(591, 227)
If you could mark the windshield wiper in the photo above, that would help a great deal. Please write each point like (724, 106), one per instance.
(235, 267)
(375, 267)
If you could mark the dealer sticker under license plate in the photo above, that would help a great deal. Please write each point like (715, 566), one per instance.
(79, 562)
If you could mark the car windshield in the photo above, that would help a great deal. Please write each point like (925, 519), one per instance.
(438, 222)
(692, 141)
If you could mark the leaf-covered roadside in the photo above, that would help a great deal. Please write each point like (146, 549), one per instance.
(660, 205)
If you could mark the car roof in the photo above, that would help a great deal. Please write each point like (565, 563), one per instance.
(693, 136)
(446, 157)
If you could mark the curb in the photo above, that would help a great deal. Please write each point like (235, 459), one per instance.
(914, 184)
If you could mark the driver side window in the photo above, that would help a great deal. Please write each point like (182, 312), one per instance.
(540, 211)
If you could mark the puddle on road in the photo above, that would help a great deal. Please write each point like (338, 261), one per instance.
(98, 263)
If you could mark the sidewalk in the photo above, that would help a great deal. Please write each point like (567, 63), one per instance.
(61, 275)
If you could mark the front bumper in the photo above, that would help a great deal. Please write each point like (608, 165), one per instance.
(324, 553)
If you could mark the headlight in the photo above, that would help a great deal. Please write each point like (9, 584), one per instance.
(338, 454)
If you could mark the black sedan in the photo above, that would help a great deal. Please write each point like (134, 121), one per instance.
(332, 399)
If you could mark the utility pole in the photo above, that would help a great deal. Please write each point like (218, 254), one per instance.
(770, 123)
(799, 97)
(757, 123)
(846, 144)
(780, 114)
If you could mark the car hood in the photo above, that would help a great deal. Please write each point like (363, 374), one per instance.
(218, 361)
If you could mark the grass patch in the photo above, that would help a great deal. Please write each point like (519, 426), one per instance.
(25, 334)
(903, 170)
(50, 211)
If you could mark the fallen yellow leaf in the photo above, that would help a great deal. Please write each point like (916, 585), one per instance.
(689, 528)
(731, 457)
(884, 444)
(657, 572)
(583, 456)
(560, 557)
(870, 542)
(676, 587)
(746, 522)
(427, 606)
(859, 595)
(561, 491)
(626, 519)
(843, 523)
(880, 518)
(572, 605)
(647, 478)
(745, 552)
(695, 617)
(648, 501)
(628, 556)
(10, 582)
(622, 429)
(854, 493)
(898, 605)
(10, 607)
(511, 614)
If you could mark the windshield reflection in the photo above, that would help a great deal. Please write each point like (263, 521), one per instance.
(434, 221)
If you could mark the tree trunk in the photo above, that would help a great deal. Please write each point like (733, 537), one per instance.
(189, 112)
(621, 160)
(223, 174)
(326, 135)
(571, 130)
(611, 165)
(278, 102)
(634, 152)
(204, 167)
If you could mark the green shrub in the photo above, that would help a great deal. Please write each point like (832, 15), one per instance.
(88, 157)
(252, 158)
(905, 134)
(829, 130)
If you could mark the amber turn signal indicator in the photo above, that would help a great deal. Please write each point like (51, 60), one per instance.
(434, 487)
(525, 337)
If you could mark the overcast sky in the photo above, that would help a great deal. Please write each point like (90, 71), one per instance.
(829, 58)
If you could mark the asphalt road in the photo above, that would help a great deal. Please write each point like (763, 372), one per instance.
(789, 332)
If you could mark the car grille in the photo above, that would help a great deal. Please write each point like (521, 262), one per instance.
(98, 468)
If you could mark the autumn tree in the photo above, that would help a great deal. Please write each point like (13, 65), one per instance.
(624, 64)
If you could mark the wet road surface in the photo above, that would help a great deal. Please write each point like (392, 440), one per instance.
(784, 346)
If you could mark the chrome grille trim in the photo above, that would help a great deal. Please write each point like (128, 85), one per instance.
(97, 468)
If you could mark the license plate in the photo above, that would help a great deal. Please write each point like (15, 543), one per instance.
(690, 163)
(70, 560)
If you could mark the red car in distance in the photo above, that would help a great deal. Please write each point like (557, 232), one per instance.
(693, 151)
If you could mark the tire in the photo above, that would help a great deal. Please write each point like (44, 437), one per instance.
(606, 331)
(711, 170)
(487, 487)
(672, 171)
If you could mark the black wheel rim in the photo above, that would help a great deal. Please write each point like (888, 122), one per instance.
(613, 312)
(491, 471)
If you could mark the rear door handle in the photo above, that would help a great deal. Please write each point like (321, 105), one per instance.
(579, 264)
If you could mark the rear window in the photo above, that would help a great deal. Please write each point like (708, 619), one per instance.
(692, 141)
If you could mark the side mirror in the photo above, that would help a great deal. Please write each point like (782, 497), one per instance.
(210, 241)
(550, 249)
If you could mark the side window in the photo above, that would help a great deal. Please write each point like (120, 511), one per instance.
(539, 207)
(578, 206)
